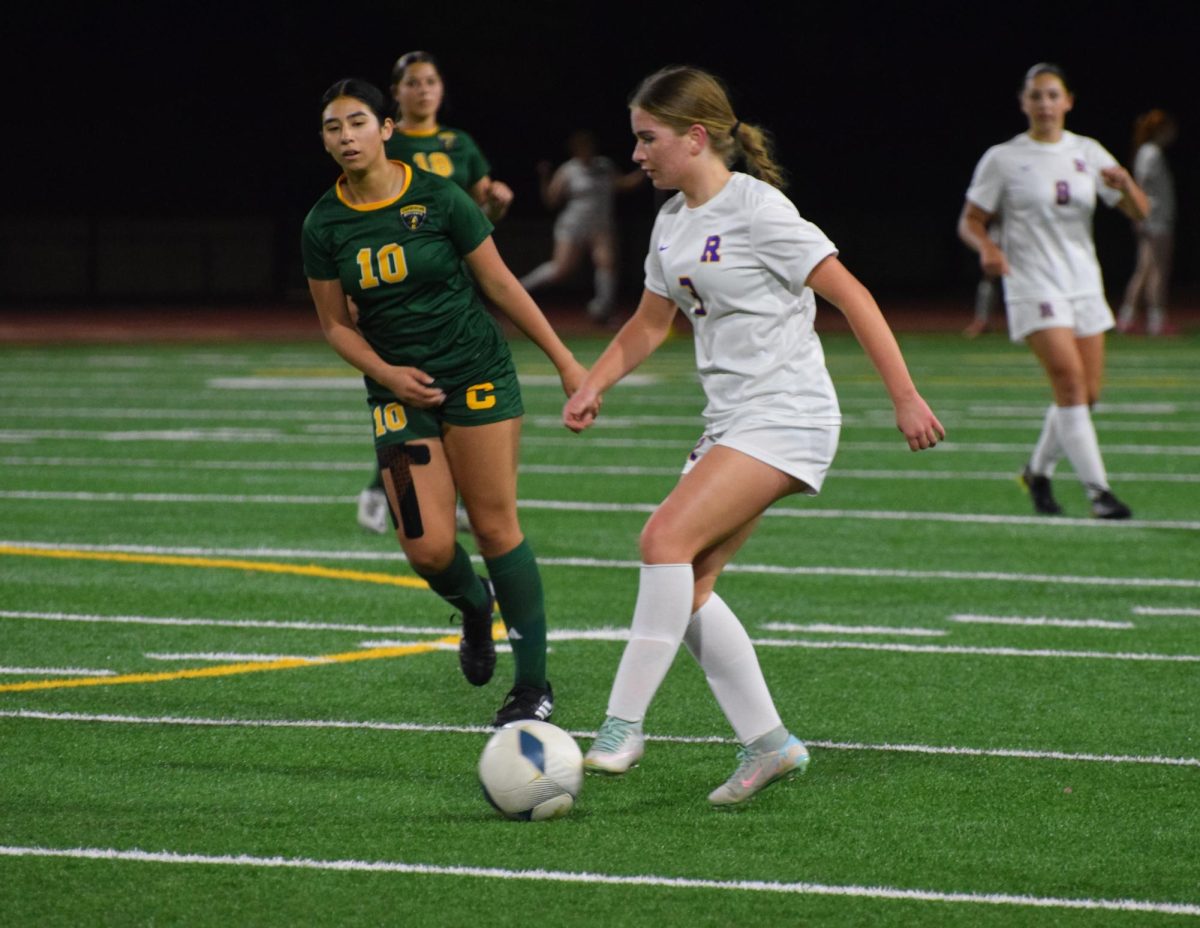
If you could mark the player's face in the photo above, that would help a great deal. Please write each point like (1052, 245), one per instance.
(659, 151)
(1045, 102)
(419, 92)
(352, 133)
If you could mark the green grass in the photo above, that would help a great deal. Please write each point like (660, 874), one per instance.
(154, 485)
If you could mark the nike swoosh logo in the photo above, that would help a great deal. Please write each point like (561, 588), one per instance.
(663, 247)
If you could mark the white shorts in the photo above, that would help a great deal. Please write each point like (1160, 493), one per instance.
(803, 452)
(1085, 315)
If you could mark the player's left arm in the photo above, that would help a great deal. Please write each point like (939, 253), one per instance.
(504, 290)
(1133, 203)
(914, 418)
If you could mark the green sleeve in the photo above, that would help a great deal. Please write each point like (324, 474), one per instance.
(468, 226)
(318, 259)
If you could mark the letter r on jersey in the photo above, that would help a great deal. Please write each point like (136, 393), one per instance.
(711, 249)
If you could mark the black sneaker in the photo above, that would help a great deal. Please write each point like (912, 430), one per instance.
(476, 650)
(1107, 506)
(525, 702)
(1039, 491)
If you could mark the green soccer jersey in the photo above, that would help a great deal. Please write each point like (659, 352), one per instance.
(401, 260)
(442, 151)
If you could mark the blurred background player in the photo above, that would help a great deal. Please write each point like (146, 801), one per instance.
(1044, 182)
(411, 249)
(583, 189)
(730, 251)
(1153, 132)
(418, 139)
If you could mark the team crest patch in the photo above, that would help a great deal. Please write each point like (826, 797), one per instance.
(1080, 166)
(447, 139)
(413, 216)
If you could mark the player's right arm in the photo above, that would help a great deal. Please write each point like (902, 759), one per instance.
(973, 230)
(409, 384)
(639, 337)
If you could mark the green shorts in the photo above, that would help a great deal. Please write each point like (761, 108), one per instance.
(494, 399)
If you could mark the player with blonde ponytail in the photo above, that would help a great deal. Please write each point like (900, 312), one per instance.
(732, 253)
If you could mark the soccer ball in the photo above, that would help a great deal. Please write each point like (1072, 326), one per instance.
(531, 771)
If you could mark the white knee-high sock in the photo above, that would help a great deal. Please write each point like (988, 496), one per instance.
(539, 276)
(605, 290)
(660, 617)
(723, 650)
(1048, 450)
(1078, 437)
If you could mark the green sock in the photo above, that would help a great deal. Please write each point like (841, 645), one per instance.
(458, 584)
(519, 592)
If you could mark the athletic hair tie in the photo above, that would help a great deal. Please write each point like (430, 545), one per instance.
(734, 131)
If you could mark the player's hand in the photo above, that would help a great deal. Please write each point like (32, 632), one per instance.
(992, 261)
(1116, 177)
(500, 196)
(572, 375)
(413, 387)
(581, 409)
(918, 424)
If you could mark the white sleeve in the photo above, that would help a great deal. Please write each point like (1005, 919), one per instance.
(987, 183)
(1099, 158)
(656, 280)
(788, 245)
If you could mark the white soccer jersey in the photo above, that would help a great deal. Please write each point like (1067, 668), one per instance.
(589, 188)
(1153, 174)
(737, 265)
(1046, 193)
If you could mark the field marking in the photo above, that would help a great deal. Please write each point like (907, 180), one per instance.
(222, 623)
(54, 672)
(871, 573)
(1001, 476)
(227, 670)
(230, 656)
(557, 505)
(302, 570)
(435, 729)
(971, 649)
(1165, 610)
(1037, 621)
(854, 629)
(589, 877)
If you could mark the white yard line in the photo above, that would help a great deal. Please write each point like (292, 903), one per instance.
(360, 725)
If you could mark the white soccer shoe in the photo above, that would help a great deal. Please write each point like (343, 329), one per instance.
(756, 771)
(373, 512)
(619, 745)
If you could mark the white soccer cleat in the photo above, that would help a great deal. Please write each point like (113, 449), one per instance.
(619, 745)
(373, 512)
(757, 771)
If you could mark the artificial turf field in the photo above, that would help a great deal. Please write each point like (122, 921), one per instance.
(221, 702)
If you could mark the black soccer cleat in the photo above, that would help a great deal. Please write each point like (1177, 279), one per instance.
(525, 701)
(477, 650)
(1040, 493)
(1107, 506)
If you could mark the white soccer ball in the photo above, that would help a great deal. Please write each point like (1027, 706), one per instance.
(531, 771)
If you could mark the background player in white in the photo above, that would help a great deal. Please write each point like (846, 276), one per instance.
(1045, 182)
(1152, 133)
(583, 188)
(730, 251)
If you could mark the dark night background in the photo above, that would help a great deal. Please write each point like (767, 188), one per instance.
(141, 116)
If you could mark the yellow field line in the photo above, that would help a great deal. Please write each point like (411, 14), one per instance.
(226, 670)
(308, 570)
(303, 570)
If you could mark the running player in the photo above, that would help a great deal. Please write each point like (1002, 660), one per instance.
(418, 139)
(1152, 133)
(1045, 182)
(441, 386)
(731, 252)
(583, 188)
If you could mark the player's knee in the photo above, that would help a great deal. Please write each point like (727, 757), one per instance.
(427, 559)
(661, 544)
